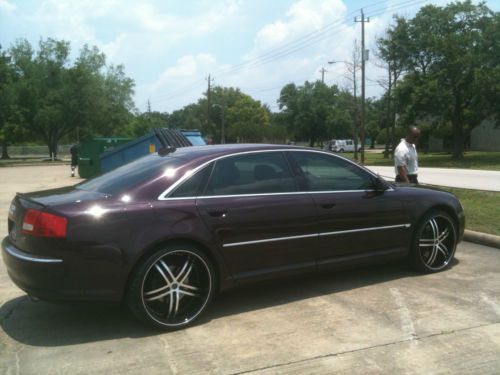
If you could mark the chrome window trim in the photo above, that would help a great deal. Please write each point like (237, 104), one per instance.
(269, 194)
(164, 196)
(233, 244)
(16, 253)
(407, 225)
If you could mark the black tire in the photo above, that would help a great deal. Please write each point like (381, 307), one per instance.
(172, 287)
(434, 242)
(341, 150)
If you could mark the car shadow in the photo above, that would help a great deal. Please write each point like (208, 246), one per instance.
(273, 293)
(51, 324)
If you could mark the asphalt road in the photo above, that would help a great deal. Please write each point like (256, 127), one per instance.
(460, 178)
(382, 319)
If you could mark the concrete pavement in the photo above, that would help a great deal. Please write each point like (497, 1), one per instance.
(381, 319)
(459, 178)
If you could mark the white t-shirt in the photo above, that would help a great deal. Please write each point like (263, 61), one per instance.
(406, 155)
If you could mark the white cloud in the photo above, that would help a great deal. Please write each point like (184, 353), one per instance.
(6, 6)
(302, 17)
(170, 53)
(276, 57)
(131, 27)
(179, 84)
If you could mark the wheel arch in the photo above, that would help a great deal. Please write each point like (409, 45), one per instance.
(218, 266)
(437, 207)
(445, 208)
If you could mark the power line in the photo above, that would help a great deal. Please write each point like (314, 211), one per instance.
(287, 48)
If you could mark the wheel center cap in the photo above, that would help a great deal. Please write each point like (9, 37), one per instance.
(175, 286)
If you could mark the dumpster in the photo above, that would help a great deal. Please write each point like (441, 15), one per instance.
(125, 153)
(194, 136)
(147, 144)
(89, 163)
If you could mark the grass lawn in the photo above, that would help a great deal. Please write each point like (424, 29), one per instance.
(486, 160)
(482, 209)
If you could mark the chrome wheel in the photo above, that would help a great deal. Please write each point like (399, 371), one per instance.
(176, 287)
(437, 241)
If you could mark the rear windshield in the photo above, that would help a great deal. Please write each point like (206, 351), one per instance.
(122, 179)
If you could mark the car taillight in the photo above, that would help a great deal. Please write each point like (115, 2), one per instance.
(42, 224)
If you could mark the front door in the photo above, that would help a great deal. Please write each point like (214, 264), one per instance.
(353, 217)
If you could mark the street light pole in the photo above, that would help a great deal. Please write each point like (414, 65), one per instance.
(354, 68)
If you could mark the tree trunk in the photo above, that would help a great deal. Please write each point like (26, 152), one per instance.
(53, 150)
(5, 154)
(458, 142)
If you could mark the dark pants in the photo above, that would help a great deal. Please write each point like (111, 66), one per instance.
(412, 177)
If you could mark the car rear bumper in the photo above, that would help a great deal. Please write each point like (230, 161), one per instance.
(42, 277)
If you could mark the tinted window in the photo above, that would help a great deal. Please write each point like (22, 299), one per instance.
(192, 186)
(130, 175)
(257, 173)
(326, 173)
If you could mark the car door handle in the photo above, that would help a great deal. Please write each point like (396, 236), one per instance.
(217, 213)
(328, 206)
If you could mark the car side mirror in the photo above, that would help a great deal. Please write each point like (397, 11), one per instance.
(380, 184)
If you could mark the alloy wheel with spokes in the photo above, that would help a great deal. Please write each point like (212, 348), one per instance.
(435, 242)
(172, 287)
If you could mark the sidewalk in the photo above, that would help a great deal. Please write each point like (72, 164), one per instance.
(458, 178)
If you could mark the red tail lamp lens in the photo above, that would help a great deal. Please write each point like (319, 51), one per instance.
(42, 224)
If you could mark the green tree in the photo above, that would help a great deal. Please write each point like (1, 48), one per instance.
(10, 113)
(191, 116)
(316, 111)
(142, 123)
(449, 54)
(246, 120)
(58, 98)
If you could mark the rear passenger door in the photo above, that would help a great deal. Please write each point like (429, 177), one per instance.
(260, 220)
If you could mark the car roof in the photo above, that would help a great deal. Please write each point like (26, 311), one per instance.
(210, 151)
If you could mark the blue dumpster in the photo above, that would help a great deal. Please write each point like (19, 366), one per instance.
(194, 136)
(147, 144)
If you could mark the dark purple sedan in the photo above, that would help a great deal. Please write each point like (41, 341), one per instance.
(167, 232)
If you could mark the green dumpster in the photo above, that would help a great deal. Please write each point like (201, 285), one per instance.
(89, 164)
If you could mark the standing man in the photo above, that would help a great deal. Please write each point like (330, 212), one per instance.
(74, 158)
(406, 158)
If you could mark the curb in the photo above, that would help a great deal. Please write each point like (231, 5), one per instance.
(482, 238)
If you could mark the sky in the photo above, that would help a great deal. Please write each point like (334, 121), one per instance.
(170, 47)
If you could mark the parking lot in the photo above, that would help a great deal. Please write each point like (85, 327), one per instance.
(381, 319)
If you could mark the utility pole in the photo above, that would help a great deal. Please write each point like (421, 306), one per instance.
(222, 136)
(149, 113)
(323, 70)
(355, 90)
(210, 80)
(364, 56)
(389, 122)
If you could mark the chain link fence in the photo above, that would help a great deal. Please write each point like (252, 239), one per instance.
(36, 151)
